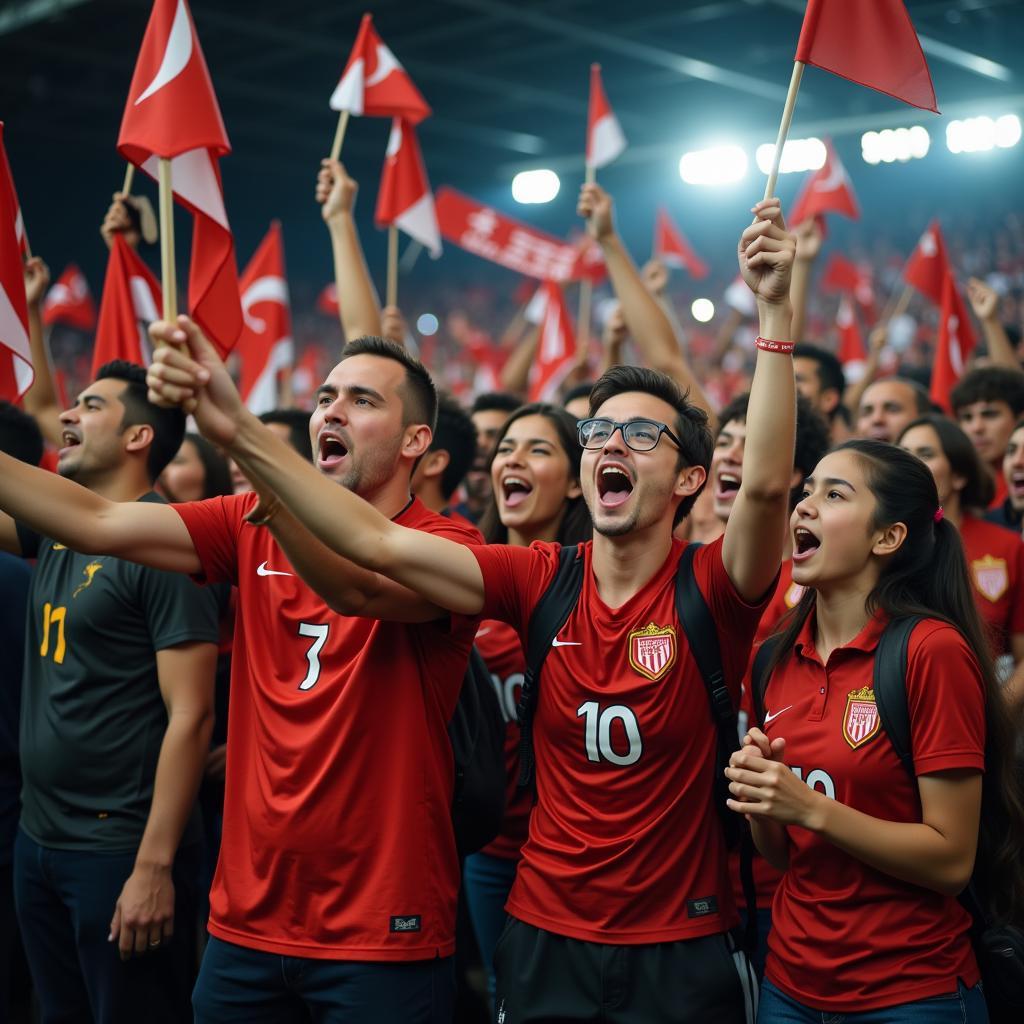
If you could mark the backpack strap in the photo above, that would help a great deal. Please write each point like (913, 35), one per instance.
(548, 617)
(759, 675)
(889, 682)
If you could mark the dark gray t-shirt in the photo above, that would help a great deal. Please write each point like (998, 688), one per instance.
(92, 717)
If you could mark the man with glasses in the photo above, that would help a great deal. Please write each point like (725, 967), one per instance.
(622, 904)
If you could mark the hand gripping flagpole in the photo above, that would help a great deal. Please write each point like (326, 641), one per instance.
(339, 134)
(787, 118)
(169, 281)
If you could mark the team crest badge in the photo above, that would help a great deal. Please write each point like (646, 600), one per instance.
(652, 650)
(861, 722)
(991, 576)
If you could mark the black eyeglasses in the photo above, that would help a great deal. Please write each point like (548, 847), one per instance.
(640, 435)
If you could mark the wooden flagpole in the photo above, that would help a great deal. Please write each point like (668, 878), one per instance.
(339, 134)
(392, 284)
(129, 178)
(169, 281)
(586, 297)
(787, 118)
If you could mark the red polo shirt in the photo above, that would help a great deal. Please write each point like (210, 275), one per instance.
(995, 563)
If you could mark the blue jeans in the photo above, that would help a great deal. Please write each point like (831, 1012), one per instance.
(248, 986)
(964, 1006)
(487, 881)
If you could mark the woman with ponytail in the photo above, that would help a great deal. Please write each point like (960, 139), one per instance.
(866, 922)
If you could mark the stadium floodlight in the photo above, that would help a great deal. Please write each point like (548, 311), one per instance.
(427, 324)
(719, 165)
(703, 310)
(895, 144)
(797, 155)
(980, 134)
(540, 186)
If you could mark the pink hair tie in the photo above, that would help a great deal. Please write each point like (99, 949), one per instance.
(939, 514)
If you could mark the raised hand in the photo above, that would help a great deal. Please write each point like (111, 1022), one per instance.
(984, 299)
(595, 205)
(118, 221)
(335, 190)
(808, 240)
(766, 253)
(37, 280)
(655, 275)
(392, 325)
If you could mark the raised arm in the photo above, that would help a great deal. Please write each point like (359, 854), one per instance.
(40, 399)
(360, 310)
(985, 303)
(808, 245)
(515, 374)
(754, 535)
(188, 371)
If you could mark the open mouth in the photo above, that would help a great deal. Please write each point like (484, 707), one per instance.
(804, 544)
(515, 490)
(69, 440)
(1016, 485)
(727, 486)
(332, 451)
(613, 486)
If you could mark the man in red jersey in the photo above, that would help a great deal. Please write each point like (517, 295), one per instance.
(337, 881)
(622, 908)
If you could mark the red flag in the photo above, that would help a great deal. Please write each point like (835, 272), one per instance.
(556, 347)
(19, 221)
(605, 140)
(69, 301)
(16, 373)
(852, 353)
(928, 266)
(265, 343)
(375, 84)
(870, 42)
(306, 377)
(172, 112)
(327, 300)
(131, 301)
(405, 199)
(673, 249)
(843, 275)
(827, 190)
(955, 344)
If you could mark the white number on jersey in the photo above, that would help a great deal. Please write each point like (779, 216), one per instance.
(319, 636)
(598, 733)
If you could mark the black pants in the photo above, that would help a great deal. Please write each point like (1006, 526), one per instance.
(543, 978)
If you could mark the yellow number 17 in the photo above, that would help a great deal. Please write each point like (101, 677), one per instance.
(53, 617)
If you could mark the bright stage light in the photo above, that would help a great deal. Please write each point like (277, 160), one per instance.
(797, 155)
(890, 145)
(979, 134)
(535, 186)
(427, 324)
(720, 165)
(703, 310)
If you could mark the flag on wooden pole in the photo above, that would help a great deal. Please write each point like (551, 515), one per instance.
(672, 248)
(556, 347)
(956, 342)
(16, 374)
(826, 190)
(605, 140)
(405, 199)
(929, 266)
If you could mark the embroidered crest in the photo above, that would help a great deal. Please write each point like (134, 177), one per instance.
(793, 595)
(861, 722)
(991, 576)
(652, 650)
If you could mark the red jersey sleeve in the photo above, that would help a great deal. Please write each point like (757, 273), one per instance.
(213, 525)
(946, 700)
(514, 580)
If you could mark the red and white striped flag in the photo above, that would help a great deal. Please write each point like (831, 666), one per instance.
(172, 112)
(19, 220)
(375, 84)
(672, 248)
(605, 140)
(265, 343)
(69, 301)
(16, 374)
(556, 347)
(405, 199)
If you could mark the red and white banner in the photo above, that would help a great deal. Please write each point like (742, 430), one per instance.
(172, 112)
(929, 266)
(405, 199)
(16, 374)
(672, 248)
(827, 190)
(605, 140)
(19, 220)
(852, 353)
(556, 347)
(956, 342)
(493, 236)
(375, 84)
(265, 343)
(130, 303)
(69, 301)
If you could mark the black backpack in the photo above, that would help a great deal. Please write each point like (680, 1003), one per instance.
(999, 948)
(477, 735)
(547, 620)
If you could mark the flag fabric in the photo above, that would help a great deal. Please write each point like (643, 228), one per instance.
(405, 199)
(928, 266)
(130, 302)
(856, 279)
(69, 301)
(870, 42)
(172, 112)
(827, 190)
(19, 220)
(956, 342)
(852, 353)
(16, 374)
(672, 248)
(375, 84)
(306, 377)
(605, 140)
(265, 344)
(556, 347)
(327, 301)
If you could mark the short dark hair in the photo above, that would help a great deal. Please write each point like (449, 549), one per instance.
(419, 396)
(989, 384)
(495, 401)
(168, 424)
(578, 391)
(923, 403)
(456, 435)
(297, 422)
(691, 424)
(20, 436)
(963, 459)
(830, 370)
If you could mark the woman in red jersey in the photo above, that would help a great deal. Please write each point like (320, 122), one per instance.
(536, 496)
(866, 923)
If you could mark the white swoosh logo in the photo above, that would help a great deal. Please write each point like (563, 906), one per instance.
(483, 632)
(386, 63)
(263, 289)
(769, 717)
(262, 570)
(566, 643)
(176, 56)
